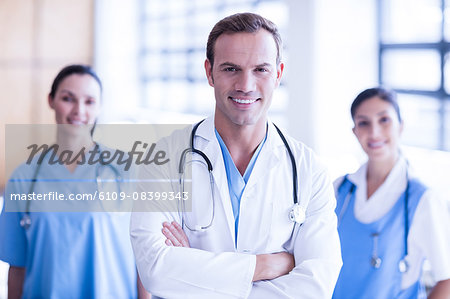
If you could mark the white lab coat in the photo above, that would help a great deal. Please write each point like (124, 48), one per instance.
(213, 267)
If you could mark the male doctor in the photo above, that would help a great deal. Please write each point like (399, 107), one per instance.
(250, 248)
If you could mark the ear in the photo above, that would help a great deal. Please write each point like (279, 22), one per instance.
(280, 69)
(51, 102)
(354, 131)
(208, 70)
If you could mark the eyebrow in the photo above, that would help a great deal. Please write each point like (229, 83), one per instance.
(382, 112)
(365, 117)
(69, 92)
(74, 95)
(265, 64)
(230, 64)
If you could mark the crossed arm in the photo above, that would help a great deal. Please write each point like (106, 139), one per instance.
(268, 266)
(168, 268)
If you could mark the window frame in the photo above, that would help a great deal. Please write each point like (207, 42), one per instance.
(442, 47)
(189, 77)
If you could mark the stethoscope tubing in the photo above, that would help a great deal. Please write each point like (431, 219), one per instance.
(192, 149)
(376, 261)
(25, 222)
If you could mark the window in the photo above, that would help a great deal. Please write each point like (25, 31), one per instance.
(414, 60)
(173, 49)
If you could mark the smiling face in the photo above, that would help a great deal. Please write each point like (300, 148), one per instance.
(378, 129)
(77, 100)
(244, 76)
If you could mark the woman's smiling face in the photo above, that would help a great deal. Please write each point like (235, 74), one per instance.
(378, 128)
(77, 100)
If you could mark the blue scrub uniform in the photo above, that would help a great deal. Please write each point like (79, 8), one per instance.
(68, 254)
(358, 278)
(237, 182)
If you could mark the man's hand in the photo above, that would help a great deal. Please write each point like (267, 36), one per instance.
(268, 266)
(175, 235)
(273, 265)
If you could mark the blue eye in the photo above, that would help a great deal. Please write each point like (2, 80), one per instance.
(230, 69)
(67, 99)
(90, 102)
(262, 70)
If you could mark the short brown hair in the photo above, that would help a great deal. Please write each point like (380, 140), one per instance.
(242, 22)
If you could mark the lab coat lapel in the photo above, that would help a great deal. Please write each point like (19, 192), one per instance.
(268, 157)
(256, 205)
(210, 146)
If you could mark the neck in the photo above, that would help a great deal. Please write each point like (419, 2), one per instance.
(241, 140)
(67, 140)
(74, 142)
(377, 172)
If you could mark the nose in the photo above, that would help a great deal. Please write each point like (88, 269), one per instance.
(79, 108)
(246, 82)
(375, 130)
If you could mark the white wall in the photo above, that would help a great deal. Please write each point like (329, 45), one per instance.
(333, 56)
(332, 48)
(116, 47)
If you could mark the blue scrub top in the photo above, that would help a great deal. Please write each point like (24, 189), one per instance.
(237, 182)
(68, 254)
(358, 278)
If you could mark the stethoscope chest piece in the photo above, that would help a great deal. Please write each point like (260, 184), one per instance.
(403, 266)
(375, 262)
(297, 214)
(25, 222)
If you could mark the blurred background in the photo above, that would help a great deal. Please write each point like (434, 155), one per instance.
(150, 53)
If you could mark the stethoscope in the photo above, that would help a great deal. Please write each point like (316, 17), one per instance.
(296, 214)
(25, 222)
(375, 260)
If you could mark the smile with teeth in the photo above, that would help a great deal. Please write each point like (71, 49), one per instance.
(242, 101)
(76, 122)
(376, 144)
